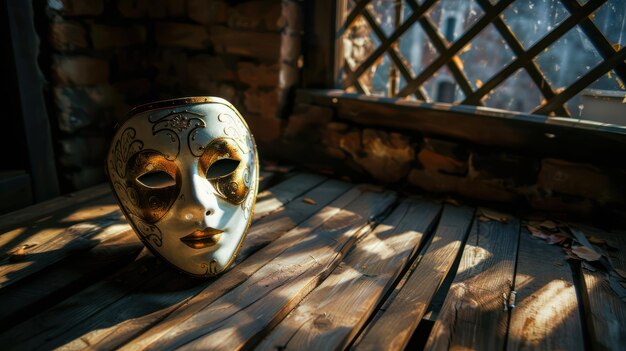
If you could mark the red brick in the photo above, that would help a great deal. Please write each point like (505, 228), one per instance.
(80, 107)
(78, 7)
(77, 151)
(208, 11)
(107, 37)
(171, 69)
(264, 130)
(436, 182)
(258, 75)
(68, 36)
(385, 156)
(581, 180)
(80, 70)
(262, 102)
(85, 177)
(134, 90)
(431, 160)
(183, 35)
(308, 123)
(152, 8)
(256, 15)
(207, 67)
(264, 46)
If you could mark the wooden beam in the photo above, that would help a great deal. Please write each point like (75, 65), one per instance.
(25, 45)
(545, 136)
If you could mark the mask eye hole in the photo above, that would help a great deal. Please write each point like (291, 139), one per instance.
(222, 168)
(156, 180)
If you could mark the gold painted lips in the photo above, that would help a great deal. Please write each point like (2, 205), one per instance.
(200, 239)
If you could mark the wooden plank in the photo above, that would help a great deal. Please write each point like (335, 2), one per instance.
(333, 313)
(393, 328)
(473, 314)
(607, 311)
(547, 315)
(283, 193)
(50, 207)
(242, 316)
(53, 240)
(77, 237)
(50, 286)
(149, 303)
(30, 84)
(59, 281)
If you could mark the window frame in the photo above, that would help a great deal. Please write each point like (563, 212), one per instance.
(565, 137)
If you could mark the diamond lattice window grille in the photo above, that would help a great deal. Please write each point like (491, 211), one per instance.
(534, 56)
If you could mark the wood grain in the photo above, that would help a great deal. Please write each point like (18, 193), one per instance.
(473, 314)
(608, 312)
(59, 281)
(153, 302)
(547, 315)
(52, 206)
(335, 311)
(83, 305)
(246, 313)
(284, 192)
(393, 327)
(234, 277)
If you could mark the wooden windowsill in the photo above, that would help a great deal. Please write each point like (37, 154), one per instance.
(550, 136)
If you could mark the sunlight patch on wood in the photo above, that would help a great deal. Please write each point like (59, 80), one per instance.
(551, 305)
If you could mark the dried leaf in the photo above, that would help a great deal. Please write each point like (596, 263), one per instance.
(596, 240)
(549, 225)
(452, 202)
(569, 255)
(309, 201)
(494, 215)
(586, 253)
(537, 232)
(556, 239)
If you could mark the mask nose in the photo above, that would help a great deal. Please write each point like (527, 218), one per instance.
(198, 202)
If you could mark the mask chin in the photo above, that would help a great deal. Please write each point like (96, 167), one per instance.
(186, 178)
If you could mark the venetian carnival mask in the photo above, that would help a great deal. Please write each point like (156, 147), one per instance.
(185, 173)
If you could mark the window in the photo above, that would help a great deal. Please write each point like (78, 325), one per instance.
(551, 57)
(450, 26)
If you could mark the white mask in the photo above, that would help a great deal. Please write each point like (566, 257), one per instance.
(185, 173)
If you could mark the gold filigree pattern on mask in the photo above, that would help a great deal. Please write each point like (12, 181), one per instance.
(152, 203)
(232, 187)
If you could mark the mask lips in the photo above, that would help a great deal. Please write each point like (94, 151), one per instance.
(200, 239)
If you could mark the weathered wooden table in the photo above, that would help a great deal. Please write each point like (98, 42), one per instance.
(326, 265)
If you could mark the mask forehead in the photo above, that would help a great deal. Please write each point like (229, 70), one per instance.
(187, 130)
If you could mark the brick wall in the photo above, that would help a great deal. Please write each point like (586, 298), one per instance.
(107, 56)
(443, 167)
